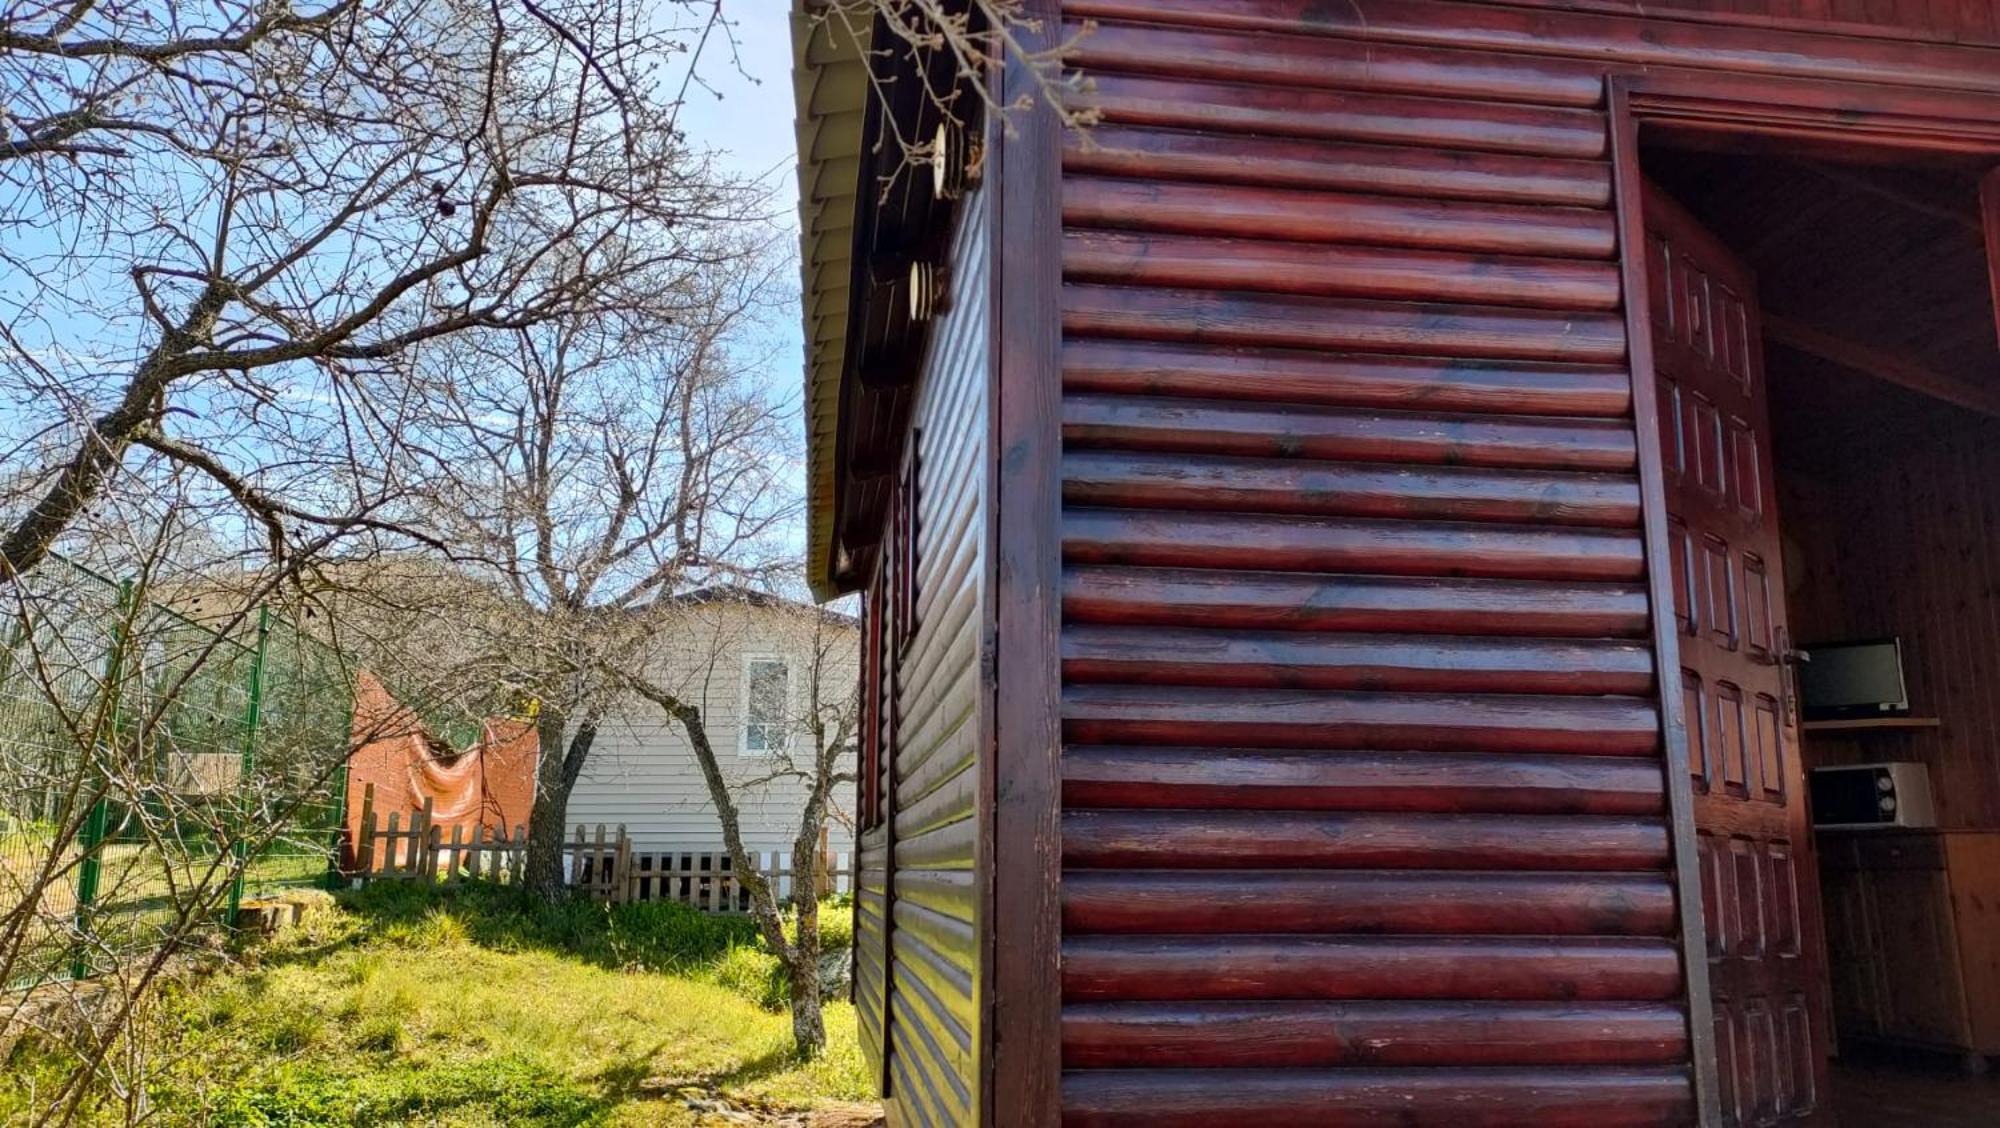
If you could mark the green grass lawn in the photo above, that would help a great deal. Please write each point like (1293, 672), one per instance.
(404, 1006)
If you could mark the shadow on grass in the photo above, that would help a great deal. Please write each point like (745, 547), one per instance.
(639, 1077)
(645, 936)
(763, 1066)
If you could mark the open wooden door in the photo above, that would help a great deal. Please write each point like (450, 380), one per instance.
(1759, 881)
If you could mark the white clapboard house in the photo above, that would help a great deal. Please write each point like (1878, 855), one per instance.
(755, 664)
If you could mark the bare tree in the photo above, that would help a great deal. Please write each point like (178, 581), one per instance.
(295, 281)
(170, 720)
(230, 229)
(597, 467)
(945, 54)
(814, 757)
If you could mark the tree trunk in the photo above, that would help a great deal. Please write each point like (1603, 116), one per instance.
(556, 772)
(800, 952)
(808, 1024)
(542, 874)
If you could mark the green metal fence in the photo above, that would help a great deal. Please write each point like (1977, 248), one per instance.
(163, 755)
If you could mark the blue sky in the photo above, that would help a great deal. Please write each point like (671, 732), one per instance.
(752, 121)
(748, 116)
(751, 124)
(745, 114)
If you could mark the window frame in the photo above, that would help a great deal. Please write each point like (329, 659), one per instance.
(905, 530)
(874, 690)
(744, 722)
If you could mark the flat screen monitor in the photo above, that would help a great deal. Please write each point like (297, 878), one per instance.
(1853, 679)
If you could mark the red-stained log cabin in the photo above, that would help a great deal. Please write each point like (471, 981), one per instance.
(1344, 539)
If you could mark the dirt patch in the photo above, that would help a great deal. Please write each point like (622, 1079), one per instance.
(847, 1116)
(716, 1110)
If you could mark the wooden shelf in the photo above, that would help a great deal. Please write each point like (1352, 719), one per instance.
(1860, 724)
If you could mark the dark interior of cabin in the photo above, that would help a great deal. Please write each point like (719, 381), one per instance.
(1883, 378)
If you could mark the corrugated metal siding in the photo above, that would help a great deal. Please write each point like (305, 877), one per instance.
(929, 1000)
(1364, 813)
(870, 889)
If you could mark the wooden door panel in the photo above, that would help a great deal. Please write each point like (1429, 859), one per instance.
(1781, 902)
(1759, 881)
(1767, 746)
(1701, 749)
(1758, 626)
(1727, 730)
(1719, 590)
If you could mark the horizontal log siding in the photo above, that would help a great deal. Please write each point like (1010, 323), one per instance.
(1364, 818)
(1947, 21)
(932, 1008)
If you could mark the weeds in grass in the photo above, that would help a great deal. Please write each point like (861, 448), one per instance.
(755, 974)
(293, 1032)
(475, 1007)
(642, 936)
(382, 1033)
(509, 1090)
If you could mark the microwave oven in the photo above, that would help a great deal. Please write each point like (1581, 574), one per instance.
(1861, 796)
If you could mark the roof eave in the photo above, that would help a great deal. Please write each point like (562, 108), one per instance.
(830, 86)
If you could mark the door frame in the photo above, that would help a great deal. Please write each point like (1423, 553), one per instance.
(1776, 111)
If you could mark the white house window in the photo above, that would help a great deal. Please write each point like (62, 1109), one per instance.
(767, 692)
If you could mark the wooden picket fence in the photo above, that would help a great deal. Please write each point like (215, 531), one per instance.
(421, 850)
(602, 865)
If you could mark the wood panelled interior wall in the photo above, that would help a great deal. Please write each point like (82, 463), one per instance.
(1887, 258)
(1364, 817)
(1895, 530)
(925, 1011)
(1888, 498)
